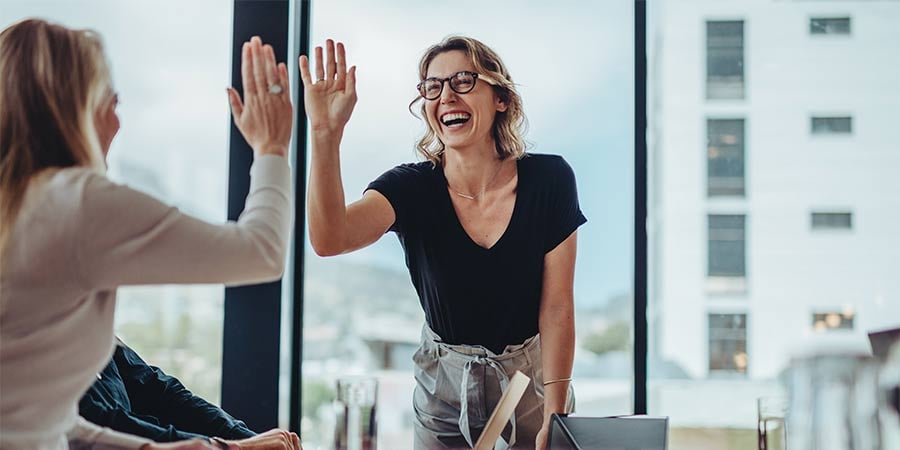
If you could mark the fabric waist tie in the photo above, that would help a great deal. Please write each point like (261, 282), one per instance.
(472, 358)
(464, 395)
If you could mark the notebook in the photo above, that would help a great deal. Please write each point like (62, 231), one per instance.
(502, 412)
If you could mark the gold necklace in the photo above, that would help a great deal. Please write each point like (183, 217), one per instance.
(483, 190)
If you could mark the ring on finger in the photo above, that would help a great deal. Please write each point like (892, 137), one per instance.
(275, 89)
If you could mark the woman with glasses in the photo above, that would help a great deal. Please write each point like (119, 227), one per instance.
(489, 233)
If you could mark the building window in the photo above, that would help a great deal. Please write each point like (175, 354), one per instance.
(727, 245)
(831, 125)
(728, 344)
(725, 157)
(832, 220)
(725, 59)
(829, 25)
(829, 321)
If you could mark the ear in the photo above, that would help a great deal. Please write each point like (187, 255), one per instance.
(500, 104)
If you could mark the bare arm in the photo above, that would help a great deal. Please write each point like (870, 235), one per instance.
(334, 227)
(556, 322)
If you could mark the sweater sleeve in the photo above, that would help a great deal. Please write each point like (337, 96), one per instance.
(85, 435)
(128, 237)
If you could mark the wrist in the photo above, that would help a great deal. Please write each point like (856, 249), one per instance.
(279, 150)
(223, 444)
(326, 133)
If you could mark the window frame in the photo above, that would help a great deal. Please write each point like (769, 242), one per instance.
(253, 394)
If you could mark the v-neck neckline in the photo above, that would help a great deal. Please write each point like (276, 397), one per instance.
(442, 179)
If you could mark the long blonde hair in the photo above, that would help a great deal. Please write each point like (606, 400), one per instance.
(52, 80)
(509, 126)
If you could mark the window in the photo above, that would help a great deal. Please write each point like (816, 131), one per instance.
(807, 184)
(833, 320)
(832, 220)
(728, 344)
(829, 25)
(361, 313)
(725, 157)
(171, 145)
(726, 246)
(831, 125)
(725, 59)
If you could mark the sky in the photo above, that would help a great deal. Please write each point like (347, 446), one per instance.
(572, 60)
(574, 68)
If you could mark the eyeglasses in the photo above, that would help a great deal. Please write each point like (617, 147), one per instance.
(460, 82)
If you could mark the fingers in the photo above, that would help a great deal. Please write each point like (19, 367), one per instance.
(284, 81)
(259, 75)
(237, 108)
(296, 440)
(270, 66)
(351, 81)
(320, 71)
(330, 66)
(247, 70)
(341, 64)
(303, 62)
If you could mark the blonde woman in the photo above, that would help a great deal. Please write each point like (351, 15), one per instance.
(70, 236)
(489, 234)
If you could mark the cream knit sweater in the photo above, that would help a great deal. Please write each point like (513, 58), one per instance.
(77, 237)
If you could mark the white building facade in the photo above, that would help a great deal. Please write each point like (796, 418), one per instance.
(774, 185)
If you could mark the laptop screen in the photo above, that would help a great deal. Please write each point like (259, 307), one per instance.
(882, 341)
(608, 433)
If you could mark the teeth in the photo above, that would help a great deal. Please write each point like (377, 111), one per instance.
(455, 118)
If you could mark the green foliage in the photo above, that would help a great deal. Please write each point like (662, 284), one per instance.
(315, 394)
(617, 337)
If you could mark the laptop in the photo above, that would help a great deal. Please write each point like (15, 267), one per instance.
(608, 433)
(882, 340)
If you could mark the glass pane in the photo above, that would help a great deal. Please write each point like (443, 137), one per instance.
(832, 125)
(574, 68)
(726, 245)
(725, 59)
(820, 25)
(725, 155)
(173, 144)
(738, 284)
(821, 220)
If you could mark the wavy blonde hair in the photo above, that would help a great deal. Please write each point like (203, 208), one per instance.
(52, 80)
(509, 126)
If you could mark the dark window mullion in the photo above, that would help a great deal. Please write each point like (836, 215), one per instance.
(251, 331)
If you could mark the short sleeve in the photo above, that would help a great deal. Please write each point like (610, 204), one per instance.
(565, 212)
(401, 186)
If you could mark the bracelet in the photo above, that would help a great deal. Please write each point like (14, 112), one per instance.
(560, 380)
(218, 441)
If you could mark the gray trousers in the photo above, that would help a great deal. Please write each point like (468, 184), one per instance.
(457, 387)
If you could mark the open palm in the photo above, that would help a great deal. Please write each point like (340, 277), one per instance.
(330, 98)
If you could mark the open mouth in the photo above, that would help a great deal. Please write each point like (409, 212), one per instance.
(455, 119)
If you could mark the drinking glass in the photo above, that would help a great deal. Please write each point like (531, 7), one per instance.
(770, 430)
(356, 425)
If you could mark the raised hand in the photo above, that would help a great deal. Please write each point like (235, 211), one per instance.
(266, 115)
(330, 98)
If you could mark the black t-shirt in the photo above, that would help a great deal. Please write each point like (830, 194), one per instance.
(470, 294)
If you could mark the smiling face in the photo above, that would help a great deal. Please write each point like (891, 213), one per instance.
(462, 120)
